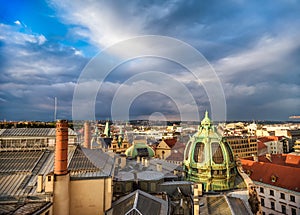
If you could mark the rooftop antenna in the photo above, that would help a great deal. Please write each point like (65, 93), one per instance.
(55, 108)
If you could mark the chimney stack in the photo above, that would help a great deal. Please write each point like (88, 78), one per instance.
(61, 148)
(87, 135)
(159, 167)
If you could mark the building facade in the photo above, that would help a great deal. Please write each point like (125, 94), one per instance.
(243, 146)
(278, 183)
(34, 138)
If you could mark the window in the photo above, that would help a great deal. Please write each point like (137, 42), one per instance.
(217, 153)
(292, 198)
(272, 205)
(261, 189)
(262, 202)
(263, 213)
(283, 209)
(294, 211)
(282, 196)
(271, 192)
(199, 154)
(49, 178)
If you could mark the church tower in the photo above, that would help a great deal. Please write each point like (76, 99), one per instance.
(208, 159)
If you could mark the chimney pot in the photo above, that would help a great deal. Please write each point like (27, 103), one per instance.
(87, 135)
(61, 148)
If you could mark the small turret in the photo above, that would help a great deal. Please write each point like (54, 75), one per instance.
(107, 129)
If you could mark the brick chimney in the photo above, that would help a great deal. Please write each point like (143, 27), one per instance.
(87, 135)
(61, 148)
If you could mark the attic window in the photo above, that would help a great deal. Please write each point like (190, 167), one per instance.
(248, 172)
(273, 178)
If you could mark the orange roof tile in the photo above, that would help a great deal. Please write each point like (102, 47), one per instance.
(261, 145)
(286, 170)
(268, 138)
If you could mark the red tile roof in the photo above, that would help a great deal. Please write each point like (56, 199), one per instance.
(171, 142)
(261, 145)
(268, 139)
(285, 168)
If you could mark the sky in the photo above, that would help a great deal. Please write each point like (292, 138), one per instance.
(252, 47)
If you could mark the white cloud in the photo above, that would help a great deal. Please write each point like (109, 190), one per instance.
(108, 22)
(100, 23)
(41, 39)
(267, 52)
(17, 22)
(11, 35)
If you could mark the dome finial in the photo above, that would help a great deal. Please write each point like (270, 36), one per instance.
(206, 120)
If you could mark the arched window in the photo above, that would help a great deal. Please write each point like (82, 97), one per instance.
(229, 151)
(217, 153)
(187, 150)
(199, 155)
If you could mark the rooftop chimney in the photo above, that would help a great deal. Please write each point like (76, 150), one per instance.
(87, 135)
(159, 167)
(61, 148)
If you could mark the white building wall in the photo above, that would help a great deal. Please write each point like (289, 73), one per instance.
(274, 147)
(278, 199)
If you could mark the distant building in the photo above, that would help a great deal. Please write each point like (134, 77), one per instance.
(243, 146)
(296, 148)
(139, 148)
(119, 145)
(163, 149)
(278, 182)
(274, 144)
(295, 135)
(34, 138)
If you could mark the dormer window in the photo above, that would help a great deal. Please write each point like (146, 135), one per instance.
(273, 178)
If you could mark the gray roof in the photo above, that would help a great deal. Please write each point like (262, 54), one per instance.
(139, 203)
(33, 132)
(222, 204)
(19, 169)
(145, 173)
(171, 187)
(238, 206)
(23, 209)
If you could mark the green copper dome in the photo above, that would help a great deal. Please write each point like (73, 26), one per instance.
(139, 149)
(208, 159)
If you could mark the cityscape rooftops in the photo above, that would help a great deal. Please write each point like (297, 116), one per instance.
(20, 169)
(277, 170)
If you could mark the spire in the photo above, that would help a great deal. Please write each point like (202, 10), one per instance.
(206, 122)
